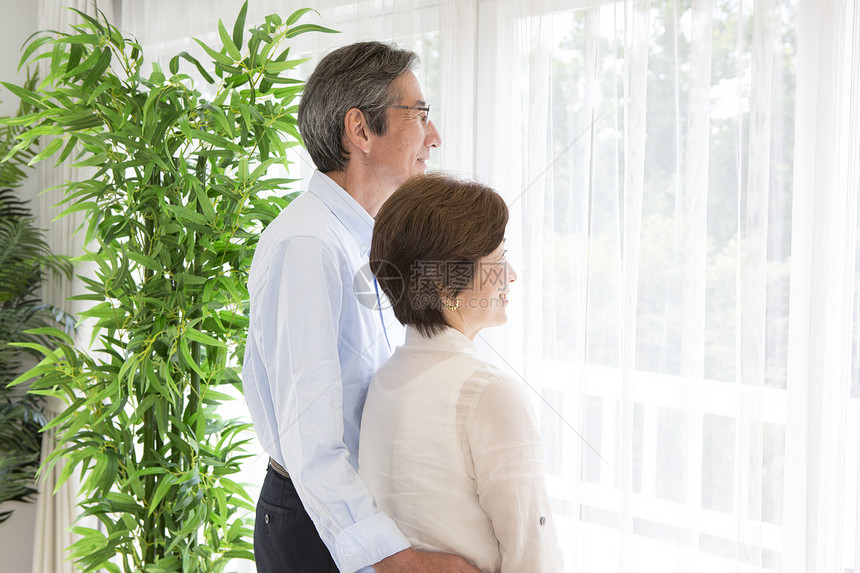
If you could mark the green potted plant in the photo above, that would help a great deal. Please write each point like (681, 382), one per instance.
(24, 257)
(24, 260)
(173, 213)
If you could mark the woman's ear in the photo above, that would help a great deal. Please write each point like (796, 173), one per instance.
(356, 131)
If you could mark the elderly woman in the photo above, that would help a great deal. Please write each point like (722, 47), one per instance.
(449, 447)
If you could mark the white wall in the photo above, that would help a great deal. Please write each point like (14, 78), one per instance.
(18, 21)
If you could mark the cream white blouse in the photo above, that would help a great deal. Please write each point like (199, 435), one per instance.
(450, 450)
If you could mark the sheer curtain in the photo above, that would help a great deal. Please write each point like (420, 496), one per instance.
(683, 179)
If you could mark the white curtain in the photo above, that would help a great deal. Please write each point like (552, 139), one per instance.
(824, 340)
(55, 512)
(683, 179)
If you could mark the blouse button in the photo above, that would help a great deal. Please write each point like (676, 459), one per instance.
(542, 520)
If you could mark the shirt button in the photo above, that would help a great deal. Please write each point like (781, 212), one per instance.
(267, 519)
(542, 520)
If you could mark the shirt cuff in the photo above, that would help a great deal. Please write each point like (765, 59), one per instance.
(367, 542)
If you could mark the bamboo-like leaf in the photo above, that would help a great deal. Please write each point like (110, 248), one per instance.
(239, 554)
(305, 28)
(188, 57)
(98, 69)
(228, 42)
(80, 39)
(237, 76)
(192, 522)
(234, 320)
(223, 512)
(294, 17)
(95, 24)
(191, 279)
(144, 260)
(217, 56)
(205, 203)
(53, 332)
(278, 67)
(235, 489)
(29, 119)
(122, 501)
(100, 89)
(253, 50)
(261, 36)
(239, 25)
(157, 76)
(197, 336)
(84, 66)
(75, 53)
(66, 473)
(92, 161)
(41, 348)
(189, 360)
(163, 486)
(220, 118)
(38, 131)
(217, 397)
(85, 206)
(32, 47)
(70, 145)
(103, 310)
(25, 95)
(265, 85)
(217, 141)
(263, 145)
(49, 150)
(186, 214)
(65, 416)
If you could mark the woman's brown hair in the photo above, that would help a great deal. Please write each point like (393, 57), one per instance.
(427, 239)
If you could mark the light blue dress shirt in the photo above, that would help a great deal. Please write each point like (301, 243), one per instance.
(315, 339)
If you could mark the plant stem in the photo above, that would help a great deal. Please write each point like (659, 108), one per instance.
(149, 431)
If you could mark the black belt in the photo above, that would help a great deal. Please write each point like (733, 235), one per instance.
(279, 468)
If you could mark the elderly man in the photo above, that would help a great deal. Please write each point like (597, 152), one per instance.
(313, 345)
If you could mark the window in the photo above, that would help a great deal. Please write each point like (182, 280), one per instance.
(683, 178)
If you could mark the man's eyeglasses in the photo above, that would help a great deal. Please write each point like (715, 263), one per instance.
(425, 119)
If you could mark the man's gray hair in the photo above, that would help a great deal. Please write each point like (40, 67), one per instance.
(355, 76)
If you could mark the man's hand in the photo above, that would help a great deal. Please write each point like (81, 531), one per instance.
(412, 561)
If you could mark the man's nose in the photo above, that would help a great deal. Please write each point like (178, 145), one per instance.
(432, 137)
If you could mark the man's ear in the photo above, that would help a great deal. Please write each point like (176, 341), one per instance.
(356, 130)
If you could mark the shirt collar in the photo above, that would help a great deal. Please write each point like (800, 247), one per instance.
(449, 339)
(346, 209)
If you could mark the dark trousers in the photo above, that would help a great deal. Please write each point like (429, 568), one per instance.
(285, 539)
